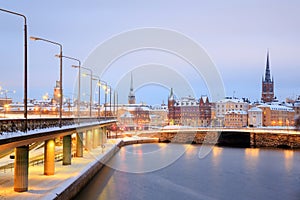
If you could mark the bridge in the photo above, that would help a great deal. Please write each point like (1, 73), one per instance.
(90, 133)
(91, 130)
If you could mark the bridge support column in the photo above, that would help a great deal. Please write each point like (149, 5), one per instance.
(95, 137)
(49, 157)
(88, 140)
(104, 135)
(21, 169)
(79, 144)
(67, 149)
(100, 136)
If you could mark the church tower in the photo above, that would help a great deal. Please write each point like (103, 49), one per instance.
(267, 94)
(131, 95)
(171, 108)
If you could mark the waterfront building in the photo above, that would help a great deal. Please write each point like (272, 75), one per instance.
(133, 116)
(206, 111)
(296, 107)
(158, 115)
(235, 118)
(277, 115)
(255, 117)
(188, 111)
(267, 94)
(226, 105)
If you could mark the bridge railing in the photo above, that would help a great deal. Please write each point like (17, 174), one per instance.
(16, 125)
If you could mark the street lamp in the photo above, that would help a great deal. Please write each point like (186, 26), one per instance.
(99, 85)
(105, 87)
(91, 95)
(60, 74)
(78, 96)
(25, 63)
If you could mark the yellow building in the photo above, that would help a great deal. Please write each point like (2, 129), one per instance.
(235, 119)
(277, 115)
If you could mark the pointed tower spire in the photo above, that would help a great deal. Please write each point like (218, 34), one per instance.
(267, 94)
(131, 95)
(268, 74)
(171, 97)
(131, 83)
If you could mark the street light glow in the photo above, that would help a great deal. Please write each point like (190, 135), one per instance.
(34, 38)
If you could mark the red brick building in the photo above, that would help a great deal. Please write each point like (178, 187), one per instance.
(188, 111)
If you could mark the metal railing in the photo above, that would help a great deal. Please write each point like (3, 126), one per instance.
(18, 125)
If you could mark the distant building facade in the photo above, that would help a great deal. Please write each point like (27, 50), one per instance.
(188, 111)
(235, 119)
(205, 111)
(56, 93)
(226, 106)
(133, 116)
(255, 117)
(296, 107)
(277, 115)
(159, 115)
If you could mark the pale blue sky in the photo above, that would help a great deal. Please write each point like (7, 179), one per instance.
(235, 34)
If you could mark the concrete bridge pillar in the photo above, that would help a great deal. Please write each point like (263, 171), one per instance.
(95, 137)
(21, 169)
(104, 135)
(100, 136)
(88, 140)
(79, 144)
(67, 149)
(49, 157)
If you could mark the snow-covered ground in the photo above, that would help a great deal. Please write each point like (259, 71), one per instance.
(46, 187)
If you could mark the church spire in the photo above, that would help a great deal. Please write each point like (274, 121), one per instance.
(268, 74)
(131, 83)
(131, 95)
(267, 94)
(171, 96)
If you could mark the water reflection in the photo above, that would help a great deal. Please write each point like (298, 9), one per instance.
(146, 157)
(216, 156)
(288, 159)
(251, 158)
(225, 173)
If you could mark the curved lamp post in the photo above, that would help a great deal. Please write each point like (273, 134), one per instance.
(91, 92)
(79, 66)
(99, 86)
(60, 74)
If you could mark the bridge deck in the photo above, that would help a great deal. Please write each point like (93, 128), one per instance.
(12, 140)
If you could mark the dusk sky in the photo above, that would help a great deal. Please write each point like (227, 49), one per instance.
(235, 35)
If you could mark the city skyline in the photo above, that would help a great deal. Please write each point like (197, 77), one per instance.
(235, 35)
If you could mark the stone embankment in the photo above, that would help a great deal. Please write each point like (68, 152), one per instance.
(235, 139)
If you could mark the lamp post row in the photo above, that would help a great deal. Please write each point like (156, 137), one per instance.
(60, 75)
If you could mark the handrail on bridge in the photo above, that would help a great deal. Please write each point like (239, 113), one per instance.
(18, 125)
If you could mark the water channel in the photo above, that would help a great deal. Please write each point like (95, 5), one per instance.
(177, 171)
